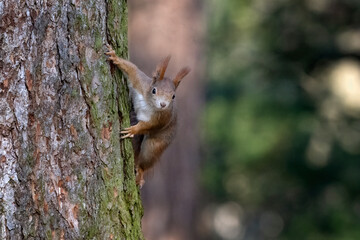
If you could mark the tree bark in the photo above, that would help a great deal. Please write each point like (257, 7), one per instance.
(64, 172)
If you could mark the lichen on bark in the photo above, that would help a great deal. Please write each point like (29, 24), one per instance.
(64, 172)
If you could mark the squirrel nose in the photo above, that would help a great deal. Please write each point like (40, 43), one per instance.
(162, 104)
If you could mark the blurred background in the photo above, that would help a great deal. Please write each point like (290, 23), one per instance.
(268, 145)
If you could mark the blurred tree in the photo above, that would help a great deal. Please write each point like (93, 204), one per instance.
(282, 126)
(156, 29)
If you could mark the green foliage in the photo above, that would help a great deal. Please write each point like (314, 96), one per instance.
(280, 137)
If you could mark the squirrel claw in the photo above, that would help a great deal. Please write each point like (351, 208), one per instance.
(125, 131)
(129, 135)
(111, 53)
(110, 49)
(141, 183)
(139, 177)
(129, 132)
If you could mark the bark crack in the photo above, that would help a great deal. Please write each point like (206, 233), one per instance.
(59, 60)
(107, 33)
(89, 121)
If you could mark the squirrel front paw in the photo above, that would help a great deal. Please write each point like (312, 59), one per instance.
(111, 53)
(129, 132)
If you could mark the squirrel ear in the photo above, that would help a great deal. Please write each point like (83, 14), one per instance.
(183, 72)
(161, 68)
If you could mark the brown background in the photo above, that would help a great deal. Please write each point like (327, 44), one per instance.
(156, 29)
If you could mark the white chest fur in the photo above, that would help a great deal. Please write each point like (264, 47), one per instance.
(142, 109)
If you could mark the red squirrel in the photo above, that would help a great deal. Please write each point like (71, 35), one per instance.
(153, 101)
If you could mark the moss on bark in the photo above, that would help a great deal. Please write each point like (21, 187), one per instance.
(67, 174)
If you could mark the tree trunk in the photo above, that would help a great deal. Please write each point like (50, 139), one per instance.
(64, 172)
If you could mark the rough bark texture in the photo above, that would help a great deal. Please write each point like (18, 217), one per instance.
(64, 172)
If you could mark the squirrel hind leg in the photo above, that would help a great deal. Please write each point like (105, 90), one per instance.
(140, 177)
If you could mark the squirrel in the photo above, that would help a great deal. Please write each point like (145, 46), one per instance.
(153, 101)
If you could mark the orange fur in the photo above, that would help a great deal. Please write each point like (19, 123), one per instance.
(161, 68)
(153, 105)
(183, 72)
(131, 70)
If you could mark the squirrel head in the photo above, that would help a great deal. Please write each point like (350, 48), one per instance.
(162, 90)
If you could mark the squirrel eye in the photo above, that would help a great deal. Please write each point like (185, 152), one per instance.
(154, 91)
(173, 96)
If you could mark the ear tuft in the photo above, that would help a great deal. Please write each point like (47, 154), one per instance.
(161, 68)
(183, 72)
